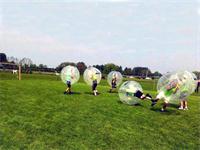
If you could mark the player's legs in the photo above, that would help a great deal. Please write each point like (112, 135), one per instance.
(148, 96)
(69, 86)
(94, 86)
(164, 106)
(166, 103)
(183, 98)
(68, 89)
(181, 105)
(197, 89)
(161, 95)
(185, 105)
(113, 86)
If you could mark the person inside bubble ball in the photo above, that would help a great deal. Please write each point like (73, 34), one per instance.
(171, 88)
(94, 83)
(69, 77)
(133, 92)
(113, 82)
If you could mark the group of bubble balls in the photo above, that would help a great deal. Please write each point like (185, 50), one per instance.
(184, 80)
(88, 75)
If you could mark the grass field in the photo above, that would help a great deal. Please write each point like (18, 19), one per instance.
(35, 114)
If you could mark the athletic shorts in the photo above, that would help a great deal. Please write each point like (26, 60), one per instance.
(94, 85)
(183, 96)
(69, 84)
(113, 85)
(138, 94)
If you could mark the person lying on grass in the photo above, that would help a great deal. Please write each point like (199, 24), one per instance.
(139, 94)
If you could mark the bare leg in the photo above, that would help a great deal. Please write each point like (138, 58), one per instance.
(164, 106)
(143, 97)
(186, 105)
(147, 96)
(181, 105)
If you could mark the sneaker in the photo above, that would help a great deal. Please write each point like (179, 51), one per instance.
(162, 110)
(153, 103)
(180, 108)
(185, 108)
(65, 92)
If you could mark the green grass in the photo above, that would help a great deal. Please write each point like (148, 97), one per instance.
(36, 115)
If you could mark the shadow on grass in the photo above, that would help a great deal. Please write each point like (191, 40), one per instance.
(134, 105)
(174, 105)
(120, 102)
(137, 105)
(74, 93)
(166, 112)
(90, 93)
(113, 92)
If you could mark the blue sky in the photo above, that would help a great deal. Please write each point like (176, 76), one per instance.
(162, 35)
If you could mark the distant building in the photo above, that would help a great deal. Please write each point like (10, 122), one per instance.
(4, 64)
(3, 57)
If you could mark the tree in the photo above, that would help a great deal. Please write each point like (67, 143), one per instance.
(81, 67)
(197, 73)
(33, 66)
(141, 71)
(120, 69)
(26, 63)
(156, 74)
(13, 60)
(3, 57)
(127, 71)
(64, 64)
(100, 67)
(111, 67)
(41, 66)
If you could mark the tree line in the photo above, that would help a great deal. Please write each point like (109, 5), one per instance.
(142, 72)
(28, 67)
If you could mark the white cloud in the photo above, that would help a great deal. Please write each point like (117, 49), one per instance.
(16, 41)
